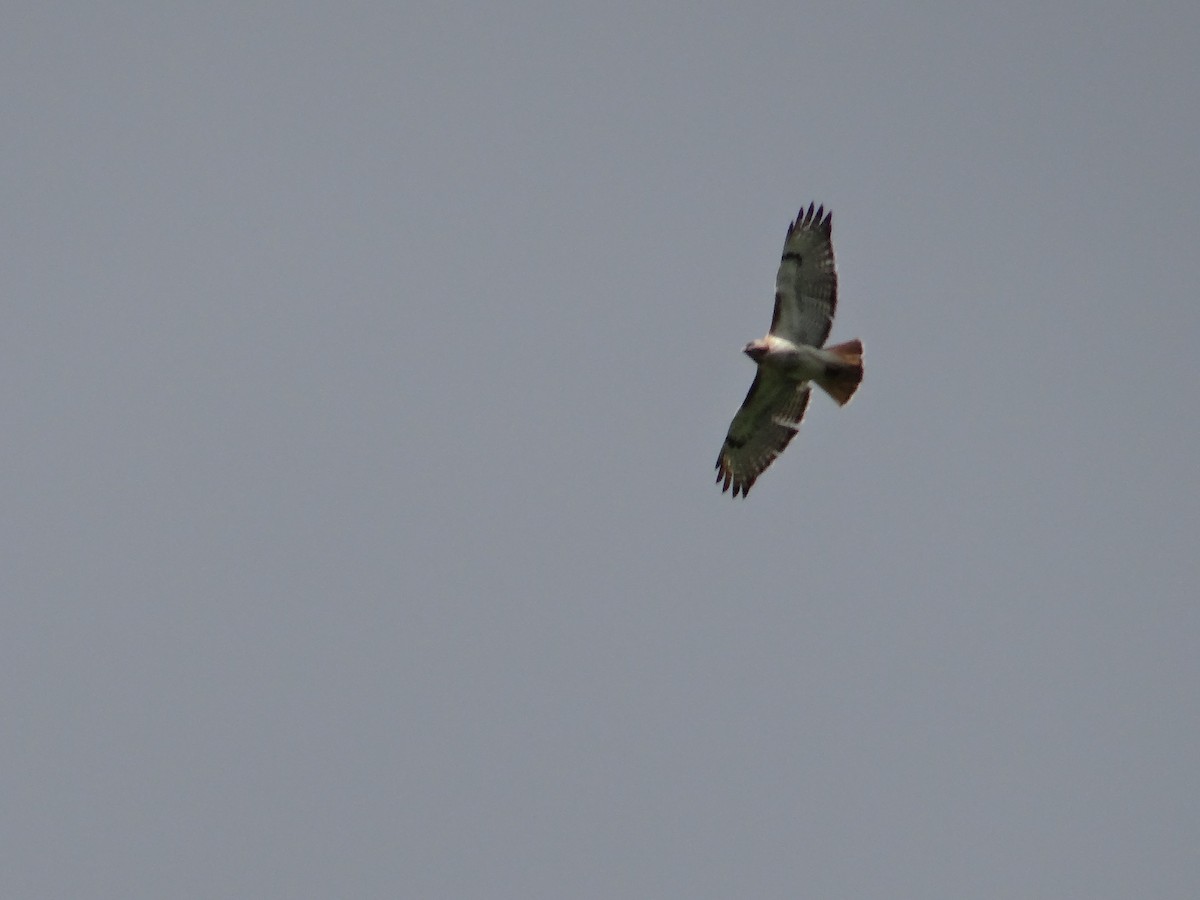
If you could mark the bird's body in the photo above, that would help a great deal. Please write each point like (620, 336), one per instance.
(792, 356)
(795, 362)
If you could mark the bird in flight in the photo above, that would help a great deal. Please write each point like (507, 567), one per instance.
(793, 356)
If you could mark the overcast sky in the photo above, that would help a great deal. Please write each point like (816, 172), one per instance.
(364, 366)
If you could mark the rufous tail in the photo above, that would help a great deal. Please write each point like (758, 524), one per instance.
(844, 373)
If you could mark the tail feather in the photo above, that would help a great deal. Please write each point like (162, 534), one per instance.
(844, 372)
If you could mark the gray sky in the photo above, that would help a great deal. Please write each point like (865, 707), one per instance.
(364, 366)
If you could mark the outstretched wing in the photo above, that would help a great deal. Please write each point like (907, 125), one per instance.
(806, 285)
(769, 418)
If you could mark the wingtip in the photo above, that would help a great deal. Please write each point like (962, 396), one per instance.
(815, 216)
(725, 475)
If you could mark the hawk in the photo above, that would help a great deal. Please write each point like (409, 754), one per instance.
(792, 357)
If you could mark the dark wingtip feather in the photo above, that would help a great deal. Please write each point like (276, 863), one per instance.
(727, 479)
(813, 217)
(723, 474)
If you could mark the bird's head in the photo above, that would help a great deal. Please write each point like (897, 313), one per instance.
(756, 350)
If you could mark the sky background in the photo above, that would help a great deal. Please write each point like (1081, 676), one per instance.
(363, 370)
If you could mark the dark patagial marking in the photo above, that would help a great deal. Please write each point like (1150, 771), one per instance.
(792, 254)
(735, 443)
